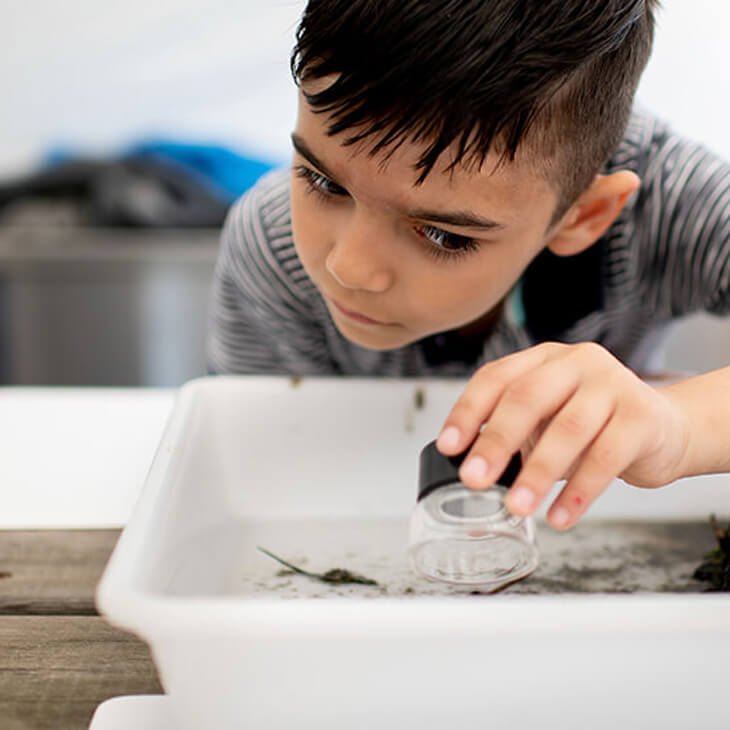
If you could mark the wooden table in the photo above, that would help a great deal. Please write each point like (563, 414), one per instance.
(59, 658)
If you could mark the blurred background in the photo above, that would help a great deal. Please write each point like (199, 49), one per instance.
(129, 127)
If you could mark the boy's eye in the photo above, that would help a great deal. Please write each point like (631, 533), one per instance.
(445, 243)
(318, 183)
(441, 243)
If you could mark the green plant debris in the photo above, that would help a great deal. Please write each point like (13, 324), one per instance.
(716, 568)
(337, 576)
(295, 381)
(420, 399)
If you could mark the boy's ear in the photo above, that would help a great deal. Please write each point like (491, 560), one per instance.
(591, 215)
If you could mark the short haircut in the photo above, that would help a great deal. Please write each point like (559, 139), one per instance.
(556, 77)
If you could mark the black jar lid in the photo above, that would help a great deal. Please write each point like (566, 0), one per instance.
(436, 470)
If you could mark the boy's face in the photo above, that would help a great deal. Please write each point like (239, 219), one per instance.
(397, 262)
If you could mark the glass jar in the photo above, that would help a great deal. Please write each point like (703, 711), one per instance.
(464, 536)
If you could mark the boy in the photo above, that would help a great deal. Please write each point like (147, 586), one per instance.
(471, 194)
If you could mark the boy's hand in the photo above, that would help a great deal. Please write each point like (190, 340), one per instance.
(581, 415)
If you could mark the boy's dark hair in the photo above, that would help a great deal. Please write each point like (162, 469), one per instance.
(557, 77)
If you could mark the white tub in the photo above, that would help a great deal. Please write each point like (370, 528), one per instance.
(323, 472)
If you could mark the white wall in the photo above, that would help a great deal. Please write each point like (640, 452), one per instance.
(101, 74)
(688, 78)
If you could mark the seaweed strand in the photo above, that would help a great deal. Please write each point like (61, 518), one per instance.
(716, 568)
(336, 575)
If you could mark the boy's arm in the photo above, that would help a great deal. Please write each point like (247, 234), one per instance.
(687, 209)
(586, 418)
(705, 401)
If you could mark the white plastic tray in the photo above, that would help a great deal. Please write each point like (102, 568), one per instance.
(323, 471)
(136, 712)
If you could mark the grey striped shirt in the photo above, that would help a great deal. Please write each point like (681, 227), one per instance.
(668, 254)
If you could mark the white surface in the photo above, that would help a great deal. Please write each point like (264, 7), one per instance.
(697, 344)
(243, 455)
(140, 712)
(101, 75)
(688, 75)
(75, 457)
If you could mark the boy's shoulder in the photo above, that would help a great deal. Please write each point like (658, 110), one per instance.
(266, 204)
(257, 242)
(673, 235)
(682, 181)
(655, 150)
(645, 135)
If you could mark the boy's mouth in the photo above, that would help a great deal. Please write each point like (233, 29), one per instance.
(358, 317)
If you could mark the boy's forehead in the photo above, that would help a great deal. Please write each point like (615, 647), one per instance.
(509, 188)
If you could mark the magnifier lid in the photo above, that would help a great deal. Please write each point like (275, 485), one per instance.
(436, 470)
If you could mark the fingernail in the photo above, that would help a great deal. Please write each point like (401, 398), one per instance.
(474, 469)
(520, 499)
(448, 439)
(559, 517)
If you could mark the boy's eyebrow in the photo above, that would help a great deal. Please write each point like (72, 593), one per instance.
(303, 149)
(459, 219)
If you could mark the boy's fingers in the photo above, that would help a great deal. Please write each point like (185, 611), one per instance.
(561, 445)
(524, 404)
(482, 393)
(612, 451)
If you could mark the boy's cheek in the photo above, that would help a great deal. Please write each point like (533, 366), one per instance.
(309, 238)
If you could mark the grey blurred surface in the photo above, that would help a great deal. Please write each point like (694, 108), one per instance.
(698, 343)
(88, 306)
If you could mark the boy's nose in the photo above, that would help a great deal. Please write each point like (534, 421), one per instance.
(356, 260)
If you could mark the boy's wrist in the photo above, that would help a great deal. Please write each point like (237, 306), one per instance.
(703, 405)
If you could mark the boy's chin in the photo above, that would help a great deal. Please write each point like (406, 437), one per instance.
(376, 341)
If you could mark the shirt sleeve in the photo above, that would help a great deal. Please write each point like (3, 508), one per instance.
(686, 237)
(262, 319)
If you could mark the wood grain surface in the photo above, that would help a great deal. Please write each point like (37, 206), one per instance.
(58, 659)
(52, 572)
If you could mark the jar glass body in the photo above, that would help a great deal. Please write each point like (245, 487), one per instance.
(468, 537)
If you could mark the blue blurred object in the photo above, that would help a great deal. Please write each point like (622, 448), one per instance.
(224, 174)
